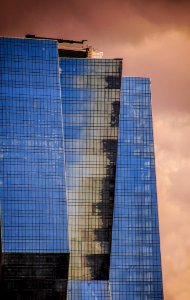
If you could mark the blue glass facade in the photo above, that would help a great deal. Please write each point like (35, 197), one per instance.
(33, 201)
(135, 250)
(34, 217)
(78, 190)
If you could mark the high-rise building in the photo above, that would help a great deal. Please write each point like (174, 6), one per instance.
(78, 191)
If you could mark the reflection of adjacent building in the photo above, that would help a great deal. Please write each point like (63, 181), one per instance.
(79, 208)
(90, 97)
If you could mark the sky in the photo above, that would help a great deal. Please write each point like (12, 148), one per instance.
(153, 38)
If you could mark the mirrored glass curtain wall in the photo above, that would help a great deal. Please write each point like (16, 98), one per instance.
(79, 217)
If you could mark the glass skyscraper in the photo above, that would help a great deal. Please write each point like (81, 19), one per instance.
(78, 188)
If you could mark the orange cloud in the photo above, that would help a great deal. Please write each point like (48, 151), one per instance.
(173, 171)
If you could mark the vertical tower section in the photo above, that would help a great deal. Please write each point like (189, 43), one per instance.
(90, 97)
(35, 250)
(135, 265)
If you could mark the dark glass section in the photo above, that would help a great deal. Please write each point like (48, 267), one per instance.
(34, 276)
(115, 114)
(135, 266)
(113, 82)
(99, 265)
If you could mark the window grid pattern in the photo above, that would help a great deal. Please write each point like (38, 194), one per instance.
(59, 122)
(135, 267)
(90, 95)
(33, 200)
